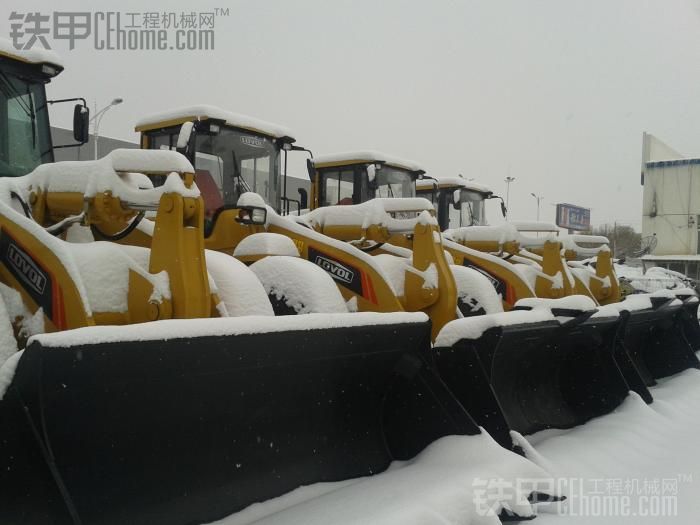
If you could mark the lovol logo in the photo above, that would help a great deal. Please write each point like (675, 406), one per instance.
(26, 269)
(344, 274)
(337, 271)
(249, 140)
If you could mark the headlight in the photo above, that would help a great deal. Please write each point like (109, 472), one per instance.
(252, 215)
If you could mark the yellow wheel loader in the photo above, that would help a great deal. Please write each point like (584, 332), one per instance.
(127, 392)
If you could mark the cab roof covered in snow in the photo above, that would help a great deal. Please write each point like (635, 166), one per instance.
(452, 182)
(177, 116)
(365, 157)
(31, 56)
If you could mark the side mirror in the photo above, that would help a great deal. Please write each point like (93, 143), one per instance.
(456, 198)
(81, 123)
(252, 215)
(183, 138)
(371, 172)
(303, 198)
(311, 169)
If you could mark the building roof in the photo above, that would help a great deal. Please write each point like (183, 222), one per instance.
(365, 157)
(177, 116)
(672, 162)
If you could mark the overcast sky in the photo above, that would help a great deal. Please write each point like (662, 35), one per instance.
(555, 93)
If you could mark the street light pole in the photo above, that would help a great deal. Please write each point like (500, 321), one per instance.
(97, 117)
(538, 204)
(508, 180)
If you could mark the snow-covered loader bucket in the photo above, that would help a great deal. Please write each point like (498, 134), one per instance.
(660, 333)
(550, 367)
(189, 421)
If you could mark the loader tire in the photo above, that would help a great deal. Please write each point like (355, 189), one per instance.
(475, 293)
(296, 286)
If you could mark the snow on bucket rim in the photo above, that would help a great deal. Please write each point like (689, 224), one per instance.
(474, 327)
(189, 328)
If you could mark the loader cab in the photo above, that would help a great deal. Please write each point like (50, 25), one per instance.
(232, 154)
(354, 178)
(25, 131)
(459, 202)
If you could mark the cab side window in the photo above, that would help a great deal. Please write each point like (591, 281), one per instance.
(337, 187)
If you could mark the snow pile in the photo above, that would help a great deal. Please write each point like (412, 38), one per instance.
(205, 111)
(237, 286)
(266, 244)
(445, 484)
(376, 212)
(367, 156)
(655, 278)
(303, 286)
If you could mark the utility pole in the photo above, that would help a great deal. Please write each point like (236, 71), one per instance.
(97, 117)
(508, 180)
(538, 199)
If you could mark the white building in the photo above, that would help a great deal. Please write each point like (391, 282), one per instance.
(671, 208)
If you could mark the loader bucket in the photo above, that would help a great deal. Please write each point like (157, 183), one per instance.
(541, 373)
(659, 340)
(691, 327)
(190, 429)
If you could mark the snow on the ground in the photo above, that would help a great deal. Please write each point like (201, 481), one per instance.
(638, 452)
(439, 486)
(650, 451)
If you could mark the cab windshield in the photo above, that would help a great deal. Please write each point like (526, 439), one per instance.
(25, 140)
(236, 162)
(472, 211)
(394, 182)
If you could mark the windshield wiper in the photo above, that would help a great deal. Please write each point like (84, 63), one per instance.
(242, 183)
